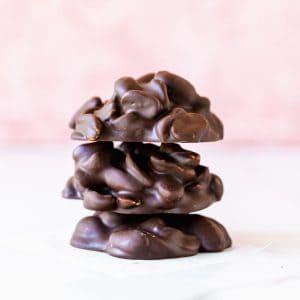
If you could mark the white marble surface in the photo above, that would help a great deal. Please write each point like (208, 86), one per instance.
(260, 209)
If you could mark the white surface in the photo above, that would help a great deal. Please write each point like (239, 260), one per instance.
(260, 209)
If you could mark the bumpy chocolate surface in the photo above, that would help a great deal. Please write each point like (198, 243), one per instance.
(150, 237)
(137, 178)
(160, 107)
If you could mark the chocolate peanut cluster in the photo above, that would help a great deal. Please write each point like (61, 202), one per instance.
(150, 236)
(142, 193)
(153, 108)
(137, 178)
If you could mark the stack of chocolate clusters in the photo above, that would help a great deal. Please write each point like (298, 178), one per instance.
(142, 193)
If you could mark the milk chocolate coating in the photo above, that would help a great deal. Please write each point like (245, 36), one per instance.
(137, 178)
(150, 236)
(161, 107)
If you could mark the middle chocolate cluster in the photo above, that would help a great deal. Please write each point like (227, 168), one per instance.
(137, 178)
(142, 193)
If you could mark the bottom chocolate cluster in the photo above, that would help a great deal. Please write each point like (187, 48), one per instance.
(150, 236)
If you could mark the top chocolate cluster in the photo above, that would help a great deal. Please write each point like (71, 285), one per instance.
(157, 107)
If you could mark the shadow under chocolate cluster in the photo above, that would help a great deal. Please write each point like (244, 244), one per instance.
(137, 178)
(153, 108)
(150, 237)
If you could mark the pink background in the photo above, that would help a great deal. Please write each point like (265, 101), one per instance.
(243, 55)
